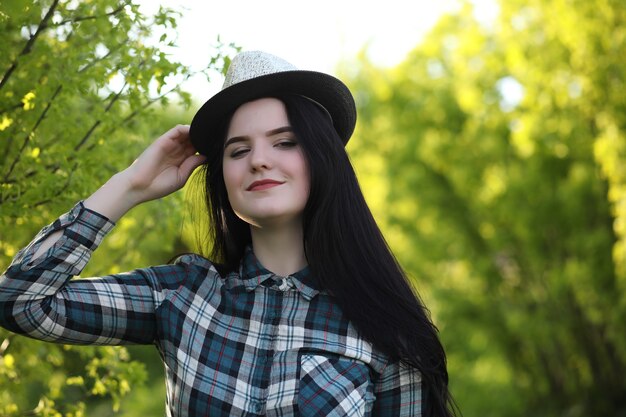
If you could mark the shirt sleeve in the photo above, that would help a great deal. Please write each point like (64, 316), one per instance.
(398, 391)
(39, 298)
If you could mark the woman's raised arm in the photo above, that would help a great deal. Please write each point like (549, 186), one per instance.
(164, 167)
(161, 169)
(37, 295)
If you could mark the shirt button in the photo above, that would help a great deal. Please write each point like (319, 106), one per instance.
(258, 407)
(279, 282)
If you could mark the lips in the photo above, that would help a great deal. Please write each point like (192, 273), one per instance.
(263, 185)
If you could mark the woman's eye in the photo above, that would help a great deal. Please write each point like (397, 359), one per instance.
(287, 144)
(238, 152)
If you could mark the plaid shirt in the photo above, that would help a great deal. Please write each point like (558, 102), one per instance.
(244, 344)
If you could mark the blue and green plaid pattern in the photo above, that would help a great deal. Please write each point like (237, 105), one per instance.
(244, 344)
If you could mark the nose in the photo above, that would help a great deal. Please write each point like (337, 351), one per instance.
(260, 158)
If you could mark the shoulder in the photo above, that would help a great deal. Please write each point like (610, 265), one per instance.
(197, 266)
(192, 260)
(183, 270)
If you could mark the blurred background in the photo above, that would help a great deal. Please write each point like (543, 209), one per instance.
(490, 145)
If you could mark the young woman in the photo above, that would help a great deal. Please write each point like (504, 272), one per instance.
(302, 309)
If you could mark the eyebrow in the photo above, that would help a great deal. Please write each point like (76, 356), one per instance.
(269, 133)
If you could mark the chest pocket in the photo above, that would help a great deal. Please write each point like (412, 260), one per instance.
(334, 386)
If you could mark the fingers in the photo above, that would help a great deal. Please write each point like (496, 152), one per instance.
(178, 132)
(175, 142)
(190, 164)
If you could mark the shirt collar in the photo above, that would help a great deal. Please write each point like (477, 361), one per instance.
(253, 274)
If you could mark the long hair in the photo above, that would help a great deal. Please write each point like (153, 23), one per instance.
(345, 250)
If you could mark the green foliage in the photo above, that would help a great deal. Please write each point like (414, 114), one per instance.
(508, 211)
(509, 214)
(79, 83)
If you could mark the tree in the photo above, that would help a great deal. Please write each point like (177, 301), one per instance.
(79, 81)
(493, 158)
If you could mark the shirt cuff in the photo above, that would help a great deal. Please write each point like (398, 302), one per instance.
(82, 227)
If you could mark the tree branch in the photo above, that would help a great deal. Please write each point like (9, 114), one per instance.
(83, 18)
(148, 103)
(15, 106)
(60, 191)
(460, 214)
(30, 43)
(102, 58)
(98, 122)
(27, 137)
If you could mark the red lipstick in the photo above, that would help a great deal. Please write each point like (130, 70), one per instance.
(263, 185)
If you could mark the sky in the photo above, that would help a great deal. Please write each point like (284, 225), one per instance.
(313, 35)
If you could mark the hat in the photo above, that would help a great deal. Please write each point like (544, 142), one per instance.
(255, 74)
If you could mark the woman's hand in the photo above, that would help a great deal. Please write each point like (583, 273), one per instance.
(164, 167)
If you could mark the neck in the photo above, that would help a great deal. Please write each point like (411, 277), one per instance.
(280, 250)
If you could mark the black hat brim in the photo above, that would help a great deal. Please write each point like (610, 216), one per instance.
(327, 90)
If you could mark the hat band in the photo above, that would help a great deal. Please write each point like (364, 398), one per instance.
(320, 106)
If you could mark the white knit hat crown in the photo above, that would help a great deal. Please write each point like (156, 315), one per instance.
(253, 64)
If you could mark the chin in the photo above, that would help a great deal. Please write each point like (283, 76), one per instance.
(271, 218)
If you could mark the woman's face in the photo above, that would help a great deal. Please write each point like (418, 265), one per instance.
(265, 172)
